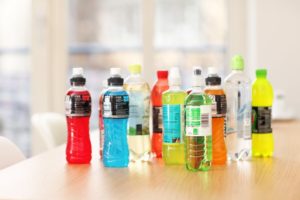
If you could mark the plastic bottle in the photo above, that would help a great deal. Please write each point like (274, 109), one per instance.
(197, 80)
(115, 117)
(262, 137)
(198, 130)
(156, 98)
(78, 112)
(238, 119)
(139, 109)
(173, 120)
(216, 93)
(101, 123)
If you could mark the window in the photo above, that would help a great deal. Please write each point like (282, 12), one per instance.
(14, 71)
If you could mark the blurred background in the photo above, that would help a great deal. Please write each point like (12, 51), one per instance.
(41, 40)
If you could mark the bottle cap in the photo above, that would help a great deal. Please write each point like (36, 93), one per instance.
(115, 71)
(162, 73)
(261, 73)
(115, 79)
(174, 77)
(135, 68)
(237, 63)
(213, 77)
(77, 76)
(197, 78)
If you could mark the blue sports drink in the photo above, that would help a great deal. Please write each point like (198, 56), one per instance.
(115, 117)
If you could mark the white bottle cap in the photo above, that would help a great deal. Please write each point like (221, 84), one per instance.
(115, 71)
(174, 77)
(197, 76)
(212, 71)
(77, 71)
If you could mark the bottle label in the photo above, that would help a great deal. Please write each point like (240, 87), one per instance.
(139, 105)
(78, 105)
(157, 119)
(261, 119)
(218, 108)
(172, 123)
(198, 120)
(116, 106)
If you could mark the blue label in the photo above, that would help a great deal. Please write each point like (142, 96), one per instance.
(172, 119)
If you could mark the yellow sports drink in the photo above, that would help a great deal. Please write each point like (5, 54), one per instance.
(173, 120)
(262, 99)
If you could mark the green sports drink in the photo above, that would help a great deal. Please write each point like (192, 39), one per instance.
(198, 128)
(173, 120)
(262, 99)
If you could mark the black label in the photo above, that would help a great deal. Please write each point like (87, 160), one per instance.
(116, 106)
(219, 105)
(157, 119)
(78, 105)
(261, 119)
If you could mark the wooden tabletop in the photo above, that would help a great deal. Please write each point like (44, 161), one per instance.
(49, 176)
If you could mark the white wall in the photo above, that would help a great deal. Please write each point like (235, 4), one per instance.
(274, 42)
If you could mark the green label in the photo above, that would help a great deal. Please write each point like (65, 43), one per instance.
(198, 120)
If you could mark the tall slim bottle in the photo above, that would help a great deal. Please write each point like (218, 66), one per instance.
(101, 123)
(238, 119)
(262, 137)
(198, 131)
(173, 120)
(139, 109)
(214, 90)
(156, 98)
(115, 117)
(78, 112)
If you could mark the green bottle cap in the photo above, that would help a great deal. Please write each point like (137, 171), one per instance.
(261, 73)
(237, 62)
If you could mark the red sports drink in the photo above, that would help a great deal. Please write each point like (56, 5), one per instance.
(78, 112)
(156, 98)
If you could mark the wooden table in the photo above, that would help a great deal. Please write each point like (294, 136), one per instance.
(49, 176)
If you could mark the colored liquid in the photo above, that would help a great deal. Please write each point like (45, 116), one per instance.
(115, 149)
(173, 153)
(156, 99)
(219, 156)
(262, 96)
(78, 148)
(198, 148)
(138, 122)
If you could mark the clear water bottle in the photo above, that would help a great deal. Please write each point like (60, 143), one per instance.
(238, 121)
(115, 118)
(139, 108)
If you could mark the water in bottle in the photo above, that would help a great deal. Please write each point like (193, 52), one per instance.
(115, 117)
(139, 110)
(262, 99)
(156, 99)
(78, 112)
(173, 120)
(214, 90)
(238, 119)
(198, 130)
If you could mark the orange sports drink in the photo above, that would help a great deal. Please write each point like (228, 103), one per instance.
(216, 93)
(156, 99)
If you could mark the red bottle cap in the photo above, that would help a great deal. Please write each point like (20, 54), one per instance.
(162, 73)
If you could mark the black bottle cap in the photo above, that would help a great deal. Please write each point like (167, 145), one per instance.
(213, 80)
(77, 80)
(115, 81)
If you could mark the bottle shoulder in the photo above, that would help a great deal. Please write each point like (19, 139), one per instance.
(197, 99)
(237, 78)
(117, 91)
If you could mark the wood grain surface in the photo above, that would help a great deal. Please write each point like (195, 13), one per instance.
(48, 176)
